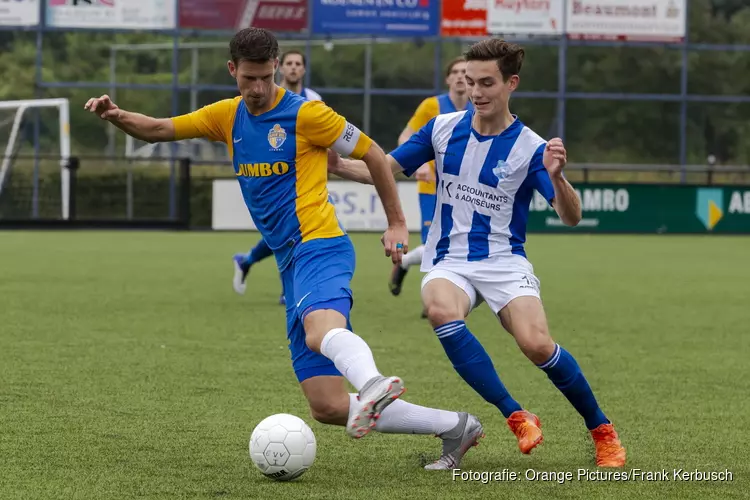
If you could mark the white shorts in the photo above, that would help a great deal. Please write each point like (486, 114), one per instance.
(496, 282)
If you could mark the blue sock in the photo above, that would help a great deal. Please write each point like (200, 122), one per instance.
(474, 365)
(564, 372)
(259, 252)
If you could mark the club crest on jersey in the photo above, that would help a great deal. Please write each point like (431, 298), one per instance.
(276, 136)
(501, 170)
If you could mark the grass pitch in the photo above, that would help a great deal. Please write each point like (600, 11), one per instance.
(130, 369)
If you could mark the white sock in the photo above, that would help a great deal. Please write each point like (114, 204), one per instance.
(413, 258)
(351, 355)
(402, 417)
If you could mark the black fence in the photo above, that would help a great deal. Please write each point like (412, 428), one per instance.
(177, 194)
(103, 193)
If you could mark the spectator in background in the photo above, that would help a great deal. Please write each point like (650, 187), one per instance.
(293, 68)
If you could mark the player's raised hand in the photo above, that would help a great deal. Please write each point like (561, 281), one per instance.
(555, 157)
(396, 242)
(103, 107)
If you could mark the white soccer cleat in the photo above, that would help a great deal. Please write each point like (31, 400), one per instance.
(374, 397)
(457, 441)
(240, 273)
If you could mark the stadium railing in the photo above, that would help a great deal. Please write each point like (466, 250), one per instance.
(103, 193)
(138, 193)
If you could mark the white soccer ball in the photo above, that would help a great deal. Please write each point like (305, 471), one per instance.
(282, 447)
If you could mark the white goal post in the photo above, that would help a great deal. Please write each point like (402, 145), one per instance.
(21, 107)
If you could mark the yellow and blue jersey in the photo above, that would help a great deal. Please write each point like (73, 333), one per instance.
(427, 110)
(280, 160)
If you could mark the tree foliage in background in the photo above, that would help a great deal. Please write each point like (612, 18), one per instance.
(596, 130)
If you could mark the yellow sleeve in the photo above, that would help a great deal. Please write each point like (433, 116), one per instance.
(213, 122)
(321, 126)
(426, 111)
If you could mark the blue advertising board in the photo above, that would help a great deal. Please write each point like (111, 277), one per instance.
(376, 17)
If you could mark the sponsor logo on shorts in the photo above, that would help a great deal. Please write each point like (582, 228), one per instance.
(529, 282)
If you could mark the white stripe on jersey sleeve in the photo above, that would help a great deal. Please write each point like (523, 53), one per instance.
(444, 125)
(526, 145)
(311, 95)
(347, 141)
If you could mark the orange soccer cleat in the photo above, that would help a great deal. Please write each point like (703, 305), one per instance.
(609, 450)
(527, 428)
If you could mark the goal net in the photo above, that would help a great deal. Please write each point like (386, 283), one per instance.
(29, 128)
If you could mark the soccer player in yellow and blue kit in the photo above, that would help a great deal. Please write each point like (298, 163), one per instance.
(279, 145)
(456, 99)
(293, 67)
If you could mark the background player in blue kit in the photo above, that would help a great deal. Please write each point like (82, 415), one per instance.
(279, 142)
(488, 165)
(292, 69)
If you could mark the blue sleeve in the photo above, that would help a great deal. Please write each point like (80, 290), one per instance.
(417, 151)
(538, 177)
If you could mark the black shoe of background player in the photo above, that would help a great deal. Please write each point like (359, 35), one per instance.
(397, 278)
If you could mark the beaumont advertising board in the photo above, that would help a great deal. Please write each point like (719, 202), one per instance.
(597, 19)
(19, 12)
(526, 17)
(376, 17)
(627, 19)
(113, 14)
(233, 15)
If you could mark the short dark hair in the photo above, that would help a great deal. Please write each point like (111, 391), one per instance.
(294, 52)
(509, 56)
(255, 45)
(453, 62)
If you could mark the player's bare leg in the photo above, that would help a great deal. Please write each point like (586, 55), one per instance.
(326, 333)
(447, 304)
(524, 318)
(328, 399)
(330, 403)
(444, 302)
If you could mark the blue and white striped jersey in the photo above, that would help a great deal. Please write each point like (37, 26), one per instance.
(485, 185)
(311, 95)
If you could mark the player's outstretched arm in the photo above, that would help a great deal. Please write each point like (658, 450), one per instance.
(136, 125)
(566, 202)
(355, 170)
(396, 237)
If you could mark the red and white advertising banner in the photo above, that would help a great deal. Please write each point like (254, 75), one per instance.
(656, 20)
(275, 15)
(525, 17)
(464, 18)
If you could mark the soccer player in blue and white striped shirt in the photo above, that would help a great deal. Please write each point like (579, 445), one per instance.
(488, 164)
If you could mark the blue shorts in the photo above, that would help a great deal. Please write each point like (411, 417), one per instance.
(318, 277)
(427, 207)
